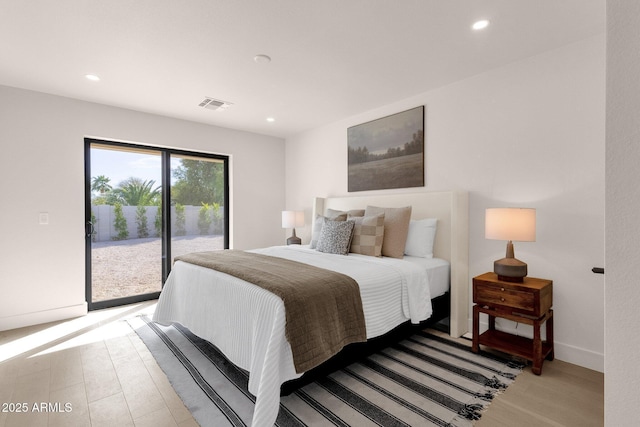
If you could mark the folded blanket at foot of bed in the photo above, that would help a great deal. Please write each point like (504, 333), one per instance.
(323, 308)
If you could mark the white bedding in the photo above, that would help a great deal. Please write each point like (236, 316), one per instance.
(438, 273)
(247, 323)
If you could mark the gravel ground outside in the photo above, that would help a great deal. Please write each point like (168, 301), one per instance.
(132, 267)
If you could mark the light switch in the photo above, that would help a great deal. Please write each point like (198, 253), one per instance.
(43, 218)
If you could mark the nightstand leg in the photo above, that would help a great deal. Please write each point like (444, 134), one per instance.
(551, 355)
(537, 349)
(475, 346)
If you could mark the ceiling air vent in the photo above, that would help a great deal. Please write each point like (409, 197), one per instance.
(214, 104)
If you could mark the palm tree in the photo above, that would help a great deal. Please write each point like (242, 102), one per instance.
(136, 192)
(100, 184)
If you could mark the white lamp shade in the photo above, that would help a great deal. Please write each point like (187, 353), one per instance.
(292, 219)
(517, 224)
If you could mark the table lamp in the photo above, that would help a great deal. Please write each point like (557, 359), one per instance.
(293, 219)
(510, 224)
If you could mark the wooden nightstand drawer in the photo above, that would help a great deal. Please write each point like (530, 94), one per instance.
(499, 295)
(532, 297)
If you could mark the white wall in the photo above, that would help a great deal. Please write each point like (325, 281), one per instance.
(622, 376)
(529, 134)
(42, 170)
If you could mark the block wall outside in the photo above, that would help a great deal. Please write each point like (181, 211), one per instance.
(104, 229)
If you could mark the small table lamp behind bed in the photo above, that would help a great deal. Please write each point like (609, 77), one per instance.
(293, 219)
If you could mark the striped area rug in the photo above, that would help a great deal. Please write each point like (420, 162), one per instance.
(423, 380)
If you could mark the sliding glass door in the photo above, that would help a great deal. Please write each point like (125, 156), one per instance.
(125, 244)
(198, 200)
(144, 206)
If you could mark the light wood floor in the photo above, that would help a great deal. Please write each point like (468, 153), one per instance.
(99, 367)
(95, 363)
(564, 395)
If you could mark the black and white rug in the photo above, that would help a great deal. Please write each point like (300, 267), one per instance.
(421, 381)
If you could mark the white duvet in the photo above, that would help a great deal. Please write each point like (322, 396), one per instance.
(247, 323)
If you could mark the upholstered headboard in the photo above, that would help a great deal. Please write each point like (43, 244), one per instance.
(452, 236)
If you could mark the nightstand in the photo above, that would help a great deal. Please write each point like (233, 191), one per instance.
(527, 302)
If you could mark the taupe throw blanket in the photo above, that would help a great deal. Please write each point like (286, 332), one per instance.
(323, 308)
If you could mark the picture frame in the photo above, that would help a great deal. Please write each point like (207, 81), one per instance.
(388, 152)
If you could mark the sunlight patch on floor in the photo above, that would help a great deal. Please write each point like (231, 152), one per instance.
(57, 336)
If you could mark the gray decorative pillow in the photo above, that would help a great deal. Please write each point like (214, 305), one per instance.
(396, 228)
(368, 233)
(331, 213)
(335, 237)
(317, 227)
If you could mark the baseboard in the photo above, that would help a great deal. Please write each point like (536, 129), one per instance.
(579, 356)
(562, 351)
(44, 316)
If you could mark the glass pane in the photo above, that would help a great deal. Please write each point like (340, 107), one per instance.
(197, 204)
(126, 246)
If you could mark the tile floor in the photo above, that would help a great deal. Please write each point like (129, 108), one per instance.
(89, 371)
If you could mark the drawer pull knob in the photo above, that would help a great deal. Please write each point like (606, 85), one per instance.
(501, 299)
(502, 289)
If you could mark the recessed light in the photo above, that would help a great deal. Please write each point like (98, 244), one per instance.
(92, 77)
(480, 25)
(271, 119)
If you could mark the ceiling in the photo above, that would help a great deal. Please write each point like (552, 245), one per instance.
(330, 59)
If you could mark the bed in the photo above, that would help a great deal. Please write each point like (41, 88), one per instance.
(247, 323)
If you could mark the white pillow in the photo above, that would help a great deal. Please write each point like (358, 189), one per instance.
(420, 238)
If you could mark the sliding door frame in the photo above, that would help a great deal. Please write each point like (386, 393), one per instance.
(166, 154)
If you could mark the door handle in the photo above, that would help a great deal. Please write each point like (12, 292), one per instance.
(598, 270)
(89, 229)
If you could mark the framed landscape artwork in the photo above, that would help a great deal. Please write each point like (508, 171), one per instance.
(387, 152)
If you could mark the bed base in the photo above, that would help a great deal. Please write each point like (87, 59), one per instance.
(357, 351)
